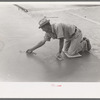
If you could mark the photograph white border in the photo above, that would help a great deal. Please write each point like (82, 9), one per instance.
(50, 89)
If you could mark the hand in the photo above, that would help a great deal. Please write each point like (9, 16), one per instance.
(59, 56)
(29, 51)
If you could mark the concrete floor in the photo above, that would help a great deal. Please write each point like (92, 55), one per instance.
(18, 32)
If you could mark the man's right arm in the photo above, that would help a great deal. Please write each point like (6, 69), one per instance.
(41, 43)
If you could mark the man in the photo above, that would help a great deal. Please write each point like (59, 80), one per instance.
(74, 43)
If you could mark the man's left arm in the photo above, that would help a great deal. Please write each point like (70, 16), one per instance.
(61, 43)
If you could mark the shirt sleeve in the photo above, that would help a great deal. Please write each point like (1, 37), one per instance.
(60, 33)
(47, 37)
(71, 29)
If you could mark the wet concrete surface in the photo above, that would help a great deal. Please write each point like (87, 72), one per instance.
(19, 32)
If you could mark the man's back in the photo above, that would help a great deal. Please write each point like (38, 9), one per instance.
(63, 30)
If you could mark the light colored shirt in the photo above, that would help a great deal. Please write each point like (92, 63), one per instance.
(60, 30)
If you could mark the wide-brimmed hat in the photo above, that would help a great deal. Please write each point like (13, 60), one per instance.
(43, 21)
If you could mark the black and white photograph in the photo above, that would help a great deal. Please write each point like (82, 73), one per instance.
(49, 42)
